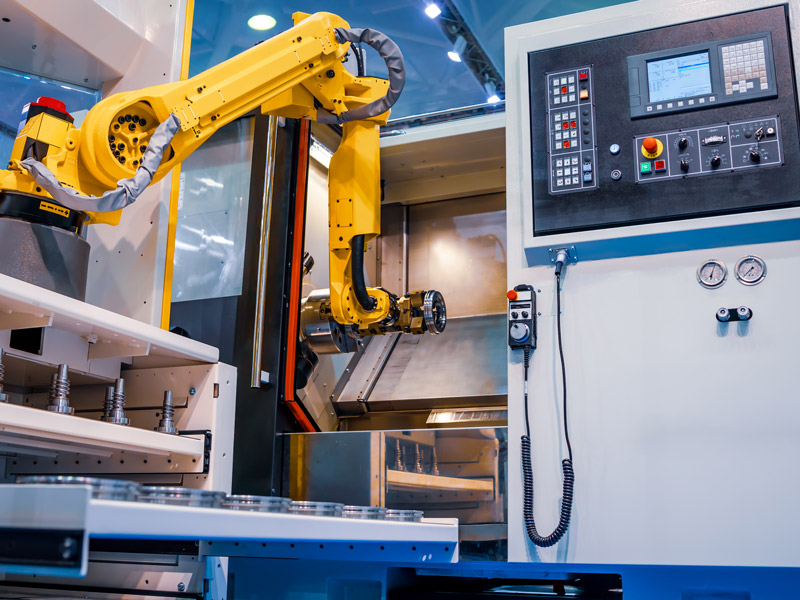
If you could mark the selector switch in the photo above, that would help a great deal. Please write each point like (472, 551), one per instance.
(682, 143)
(716, 161)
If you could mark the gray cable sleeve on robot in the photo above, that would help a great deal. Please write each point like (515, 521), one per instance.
(128, 190)
(391, 54)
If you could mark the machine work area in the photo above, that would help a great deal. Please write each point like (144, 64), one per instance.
(424, 300)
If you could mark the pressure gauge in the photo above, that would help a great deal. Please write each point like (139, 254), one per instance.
(751, 270)
(712, 274)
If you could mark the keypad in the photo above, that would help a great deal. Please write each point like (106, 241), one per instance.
(744, 66)
(571, 130)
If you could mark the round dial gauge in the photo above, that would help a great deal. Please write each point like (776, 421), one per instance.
(712, 274)
(751, 270)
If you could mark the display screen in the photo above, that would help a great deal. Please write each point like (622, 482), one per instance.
(679, 77)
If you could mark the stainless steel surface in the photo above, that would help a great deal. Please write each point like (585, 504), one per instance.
(363, 512)
(318, 509)
(365, 373)
(167, 422)
(102, 489)
(320, 331)
(257, 503)
(407, 516)
(117, 413)
(459, 248)
(448, 473)
(181, 496)
(59, 392)
(463, 366)
(263, 245)
(46, 256)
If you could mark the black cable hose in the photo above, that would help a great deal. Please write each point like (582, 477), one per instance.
(568, 487)
(366, 301)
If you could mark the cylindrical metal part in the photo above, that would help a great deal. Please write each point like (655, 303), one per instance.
(322, 334)
(167, 422)
(744, 313)
(723, 315)
(59, 392)
(3, 395)
(108, 404)
(118, 409)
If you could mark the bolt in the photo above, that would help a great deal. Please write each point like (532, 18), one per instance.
(199, 90)
(68, 548)
(181, 586)
(108, 404)
(192, 391)
(167, 422)
(331, 74)
(59, 392)
(3, 395)
(118, 404)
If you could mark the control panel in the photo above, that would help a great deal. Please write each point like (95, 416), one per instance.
(522, 317)
(708, 150)
(690, 120)
(702, 75)
(571, 130)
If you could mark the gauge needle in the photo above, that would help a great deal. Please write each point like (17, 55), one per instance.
(750, 271)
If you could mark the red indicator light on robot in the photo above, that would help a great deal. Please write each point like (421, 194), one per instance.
(512, 295)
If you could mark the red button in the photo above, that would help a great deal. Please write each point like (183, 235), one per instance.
(512, 295)
(566, 144)
(650, 145)
(565, 125)
(661, 165)
(573, 124)
(564, 89)
(583, 76)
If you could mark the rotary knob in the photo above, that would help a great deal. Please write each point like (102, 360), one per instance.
(682, 143)
(755, 156)
(519, 332)
(716, 161)
(685, 166)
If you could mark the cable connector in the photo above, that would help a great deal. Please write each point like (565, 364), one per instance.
(562, 257)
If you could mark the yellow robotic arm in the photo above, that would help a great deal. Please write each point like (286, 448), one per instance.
(296, 74)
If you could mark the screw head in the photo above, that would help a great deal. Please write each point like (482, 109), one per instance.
(181, 586)
(331, 74)
(192, 391)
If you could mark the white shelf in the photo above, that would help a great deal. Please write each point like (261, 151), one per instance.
(34, 430)
(108, 335)
(70, 511)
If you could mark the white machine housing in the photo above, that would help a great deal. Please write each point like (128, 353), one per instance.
(684, 430)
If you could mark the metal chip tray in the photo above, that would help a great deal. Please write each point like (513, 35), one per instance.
(47, 529)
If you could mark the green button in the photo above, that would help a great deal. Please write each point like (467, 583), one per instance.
(645, 167)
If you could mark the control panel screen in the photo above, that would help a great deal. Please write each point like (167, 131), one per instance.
(679, 77)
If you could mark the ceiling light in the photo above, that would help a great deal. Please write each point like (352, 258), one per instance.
(261, 22)
(433, 10)
(458, 48)
(493, 99)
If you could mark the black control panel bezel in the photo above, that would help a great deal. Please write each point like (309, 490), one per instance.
(619, 199)
(638, 83)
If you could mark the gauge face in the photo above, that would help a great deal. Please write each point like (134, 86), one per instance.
(712, 274)
(751, 270)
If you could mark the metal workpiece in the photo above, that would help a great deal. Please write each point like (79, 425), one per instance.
(167, 422)
(102, 489)
(406, 516)
(59, 392)
(364, 512)
(3, 395)
(181, 496)
(317, 509)
(114, 406)
(272, 504)
(320, 331)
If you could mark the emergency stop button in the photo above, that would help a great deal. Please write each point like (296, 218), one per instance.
(652, 147)
(512, 295)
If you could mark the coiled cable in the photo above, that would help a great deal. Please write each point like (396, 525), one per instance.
(568, 487)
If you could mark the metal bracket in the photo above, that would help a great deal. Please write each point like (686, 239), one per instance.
(206, 447)
(572, 253)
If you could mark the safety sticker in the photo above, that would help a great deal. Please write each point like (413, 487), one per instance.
(54, 208)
